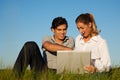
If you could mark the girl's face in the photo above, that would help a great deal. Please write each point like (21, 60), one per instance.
(84, 29)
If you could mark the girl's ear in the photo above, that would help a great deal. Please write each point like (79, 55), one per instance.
(90, 24)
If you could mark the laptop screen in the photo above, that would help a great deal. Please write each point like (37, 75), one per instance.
(72, 61)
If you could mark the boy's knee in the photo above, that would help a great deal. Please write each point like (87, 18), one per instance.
(30, 43)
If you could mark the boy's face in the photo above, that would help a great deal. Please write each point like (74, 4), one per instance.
(60, 32)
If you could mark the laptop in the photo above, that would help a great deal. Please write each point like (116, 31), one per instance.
(72, 61)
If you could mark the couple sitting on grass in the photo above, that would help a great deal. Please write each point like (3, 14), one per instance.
(88, 40)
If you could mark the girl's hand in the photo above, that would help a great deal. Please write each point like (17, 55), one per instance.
(89, 68)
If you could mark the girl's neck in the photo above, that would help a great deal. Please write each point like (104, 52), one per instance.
(86, 39)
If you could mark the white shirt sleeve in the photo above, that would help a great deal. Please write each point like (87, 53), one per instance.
(103, 64)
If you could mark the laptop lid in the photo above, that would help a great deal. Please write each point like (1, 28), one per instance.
(72, 61)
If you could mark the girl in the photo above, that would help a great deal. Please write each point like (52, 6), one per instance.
(90, 40)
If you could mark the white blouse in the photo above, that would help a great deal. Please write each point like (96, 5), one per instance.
(99, 51)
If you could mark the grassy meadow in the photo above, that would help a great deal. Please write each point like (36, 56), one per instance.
(114, 74)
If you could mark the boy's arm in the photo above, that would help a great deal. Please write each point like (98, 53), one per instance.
(54, 47)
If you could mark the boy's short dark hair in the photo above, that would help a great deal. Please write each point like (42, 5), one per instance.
(58, 21)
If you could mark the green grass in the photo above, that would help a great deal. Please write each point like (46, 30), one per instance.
(114, 74)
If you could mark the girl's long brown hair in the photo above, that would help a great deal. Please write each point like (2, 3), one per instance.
(86, 19)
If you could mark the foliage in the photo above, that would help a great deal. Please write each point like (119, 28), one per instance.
(8, 74)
